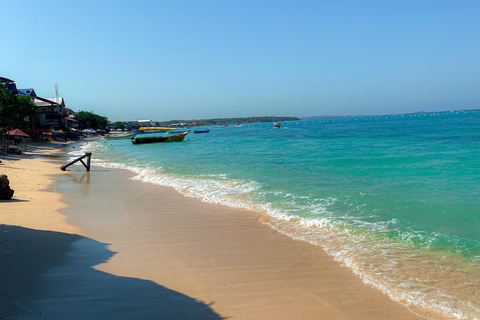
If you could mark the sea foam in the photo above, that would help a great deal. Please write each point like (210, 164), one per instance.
(390, 255)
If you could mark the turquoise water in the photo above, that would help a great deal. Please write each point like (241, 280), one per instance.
(394, 198)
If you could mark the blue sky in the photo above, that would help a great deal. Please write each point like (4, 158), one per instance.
(166, 60)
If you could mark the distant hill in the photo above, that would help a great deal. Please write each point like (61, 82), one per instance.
(222, 121)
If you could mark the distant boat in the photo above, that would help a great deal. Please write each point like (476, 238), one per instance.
(277, 125)
(202, 130)
(118, 136)
(158, 134)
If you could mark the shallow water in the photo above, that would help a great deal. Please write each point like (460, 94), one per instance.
(395, 198)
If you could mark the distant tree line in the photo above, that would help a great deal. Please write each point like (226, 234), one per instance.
(15, 108)
(119, 125)
(88, 119)
(222, 121)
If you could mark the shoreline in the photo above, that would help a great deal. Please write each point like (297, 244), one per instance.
(45, 257)
(32, 206)
(220, 255)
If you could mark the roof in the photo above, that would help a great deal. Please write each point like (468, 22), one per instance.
(17, 132)
(5, 80)
(27, 92)
(47, 102)
(10, 84)
(70, 111)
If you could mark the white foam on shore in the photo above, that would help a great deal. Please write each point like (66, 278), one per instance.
(388, 264)
(367, 260)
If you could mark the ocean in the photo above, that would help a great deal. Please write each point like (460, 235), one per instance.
(395, 198)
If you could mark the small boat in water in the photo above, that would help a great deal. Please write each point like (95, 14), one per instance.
(277, 125)
(119, 136)
(157, 134)
(202, 130)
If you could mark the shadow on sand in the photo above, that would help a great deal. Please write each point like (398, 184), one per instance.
(49, 275)
(13, 200)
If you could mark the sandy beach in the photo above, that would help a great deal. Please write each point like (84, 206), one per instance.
(78, 245)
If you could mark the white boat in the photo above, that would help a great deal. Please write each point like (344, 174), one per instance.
(119, 135)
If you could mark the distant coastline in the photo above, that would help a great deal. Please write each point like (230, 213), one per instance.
(379, 115)
(223, 121)
(265, 119)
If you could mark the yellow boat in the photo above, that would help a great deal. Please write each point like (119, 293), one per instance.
(149, 129)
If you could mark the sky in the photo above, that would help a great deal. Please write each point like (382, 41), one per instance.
(166, 60)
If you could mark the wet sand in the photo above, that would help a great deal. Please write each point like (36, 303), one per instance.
(46, 263)
(147, 252)
(220, 255)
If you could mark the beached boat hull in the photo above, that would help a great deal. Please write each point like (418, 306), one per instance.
(151, 138)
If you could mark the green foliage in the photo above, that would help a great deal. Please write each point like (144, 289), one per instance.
(14, 109)
(88, 119)
(119, 125)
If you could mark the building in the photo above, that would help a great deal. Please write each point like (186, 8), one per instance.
(50, 111)
(139, 123)
(10, 84)
(70, 118)
(145, 123)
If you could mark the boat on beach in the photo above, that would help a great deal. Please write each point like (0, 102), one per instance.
(158, 134)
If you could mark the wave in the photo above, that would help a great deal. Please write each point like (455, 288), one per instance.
(411, 266)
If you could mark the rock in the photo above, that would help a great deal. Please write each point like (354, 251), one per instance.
(5, 192)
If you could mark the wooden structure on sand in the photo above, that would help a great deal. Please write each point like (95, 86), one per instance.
(87, 155)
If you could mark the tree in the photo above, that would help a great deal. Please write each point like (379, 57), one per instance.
(91, 120)
(14, 109)
(119, 125)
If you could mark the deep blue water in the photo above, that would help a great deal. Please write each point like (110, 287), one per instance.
(395, 198)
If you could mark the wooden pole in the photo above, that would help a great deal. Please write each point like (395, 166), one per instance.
(87, 155)
(88, 161)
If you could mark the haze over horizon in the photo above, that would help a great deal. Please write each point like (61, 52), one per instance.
(215, 59)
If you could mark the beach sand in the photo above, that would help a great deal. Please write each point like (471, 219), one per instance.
(100, 246)
(26, 251)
